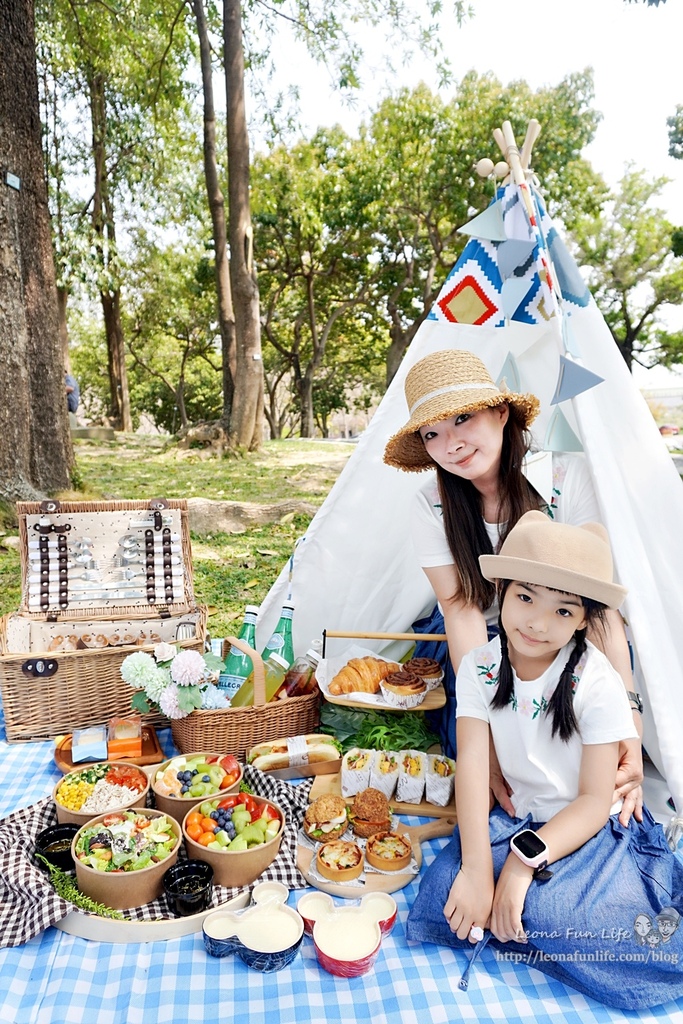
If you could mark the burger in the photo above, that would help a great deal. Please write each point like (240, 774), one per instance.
(325, 819)
(370, 814)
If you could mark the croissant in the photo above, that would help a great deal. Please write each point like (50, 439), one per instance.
(361, 675)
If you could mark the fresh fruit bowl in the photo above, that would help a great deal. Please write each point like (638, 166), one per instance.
(104, 786)
(121, 857)
(238, 835)
(186, 780)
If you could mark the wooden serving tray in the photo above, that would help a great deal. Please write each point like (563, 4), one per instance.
(376, 881)
(324, 784)
(434, 699)
(104, 929)
(151, 752)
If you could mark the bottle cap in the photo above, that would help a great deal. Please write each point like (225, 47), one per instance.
(288, 604)
(251, 609)
(278, 659)
(313, 655)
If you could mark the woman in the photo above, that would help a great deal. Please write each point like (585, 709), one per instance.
(476, 437)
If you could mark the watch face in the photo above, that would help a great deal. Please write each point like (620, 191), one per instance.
(529, 844)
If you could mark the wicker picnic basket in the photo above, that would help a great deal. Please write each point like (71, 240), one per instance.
(47, 690)
(236, 730)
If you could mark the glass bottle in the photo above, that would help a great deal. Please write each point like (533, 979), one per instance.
(275, 668)
(300, 678)
(238, 666)
(281, 641)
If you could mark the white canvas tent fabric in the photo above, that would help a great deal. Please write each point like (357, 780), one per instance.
(355, 569)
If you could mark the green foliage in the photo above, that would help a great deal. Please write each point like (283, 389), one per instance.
(675, 125)
(66, 887)
(634, 275)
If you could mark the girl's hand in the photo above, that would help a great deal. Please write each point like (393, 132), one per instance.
(629, 778)
(469, 903)
(508, 901)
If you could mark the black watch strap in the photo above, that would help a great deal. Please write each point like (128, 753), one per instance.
(636, 701)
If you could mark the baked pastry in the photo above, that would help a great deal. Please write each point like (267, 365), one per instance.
(370, 813)
(361, 675)
(325, 819)
(427, 668)
(388, 851)
(404, 682)
(339, 861)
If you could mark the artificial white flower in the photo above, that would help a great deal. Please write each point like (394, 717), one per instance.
(212, 698)
(188, 668)
(138, 669)
(155, 686)
(165, 652)
(168, 702)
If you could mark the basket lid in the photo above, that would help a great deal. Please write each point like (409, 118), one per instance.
(128, 559)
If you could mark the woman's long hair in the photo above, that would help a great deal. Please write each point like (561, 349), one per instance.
(561, 704)
(463, 514)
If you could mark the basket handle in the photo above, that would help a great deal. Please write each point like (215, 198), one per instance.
(259, 673)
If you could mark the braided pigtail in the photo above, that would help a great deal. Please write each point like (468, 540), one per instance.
(561, 704)
(506, 682)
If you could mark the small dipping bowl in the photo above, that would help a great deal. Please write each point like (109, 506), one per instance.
(54, 844)
(347, 939)
(188, 887)
(266, 936)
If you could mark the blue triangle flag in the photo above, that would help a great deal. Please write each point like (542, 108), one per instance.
(509, 374)
(512, 294)
(572, 381)
(488, 224)
(559, 437)
(513, 254)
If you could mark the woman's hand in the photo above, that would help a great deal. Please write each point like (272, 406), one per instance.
(508, 901)
(469, 902)
(628, 782)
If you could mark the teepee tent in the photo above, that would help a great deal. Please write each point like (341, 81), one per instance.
(517, 299)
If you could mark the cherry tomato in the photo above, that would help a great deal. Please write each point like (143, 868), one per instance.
(206, 838)
(194, 831)
(230, 764)
(248, 801)
(229, 780)
(194, 818)
(208, 824)
(269, 813)
(112, 819)
(228, 801)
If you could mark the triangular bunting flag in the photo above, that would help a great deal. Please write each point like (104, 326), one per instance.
(512, 294)
(569, 339)
(559, 437)
(488, 224)
(513, 254)
(572, 381)
(509, 374)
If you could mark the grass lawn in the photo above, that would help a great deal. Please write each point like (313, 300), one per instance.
(230, 570)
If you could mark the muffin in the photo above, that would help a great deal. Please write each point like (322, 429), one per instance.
(427, 669)
(404, 689)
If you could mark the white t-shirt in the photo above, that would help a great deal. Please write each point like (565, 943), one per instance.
(572, 501)
(542, 770)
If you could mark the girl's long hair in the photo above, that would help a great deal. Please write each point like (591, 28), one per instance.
(561, 704)
(463, 514)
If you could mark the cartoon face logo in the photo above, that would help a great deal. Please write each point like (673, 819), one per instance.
(652, 939)
(667, 922)
(642, 926)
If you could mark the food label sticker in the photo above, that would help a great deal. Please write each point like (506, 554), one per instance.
(297, 748)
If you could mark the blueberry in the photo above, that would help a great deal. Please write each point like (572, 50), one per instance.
(184, 789)
(206, 778)
(195, 771)
(216, 830)
(215, 815)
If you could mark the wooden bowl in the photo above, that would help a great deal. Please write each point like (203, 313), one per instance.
(123, 889)
(178, 806)
(238, 868)
(65, 815)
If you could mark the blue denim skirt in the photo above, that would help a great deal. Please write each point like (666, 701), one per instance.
(609, 923)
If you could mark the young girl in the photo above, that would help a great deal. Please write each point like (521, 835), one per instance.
(475, 435)
(562, 883)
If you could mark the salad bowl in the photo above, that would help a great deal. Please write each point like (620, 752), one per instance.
(94, 785)
(121, 857)
(238, 835)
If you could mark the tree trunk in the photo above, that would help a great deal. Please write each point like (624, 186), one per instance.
(246, 419)
(35, 444)
(226, 316)
(105, 241)
(62, 300)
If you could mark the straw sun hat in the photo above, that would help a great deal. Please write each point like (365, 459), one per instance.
(574, 559)
(445, 384)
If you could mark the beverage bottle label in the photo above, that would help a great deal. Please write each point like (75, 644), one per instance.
(229, 684)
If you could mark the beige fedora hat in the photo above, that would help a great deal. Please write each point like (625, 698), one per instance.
(574, 559)
(444, 384)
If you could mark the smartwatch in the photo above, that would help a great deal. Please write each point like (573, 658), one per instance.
(530, 848)
(636, 701)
